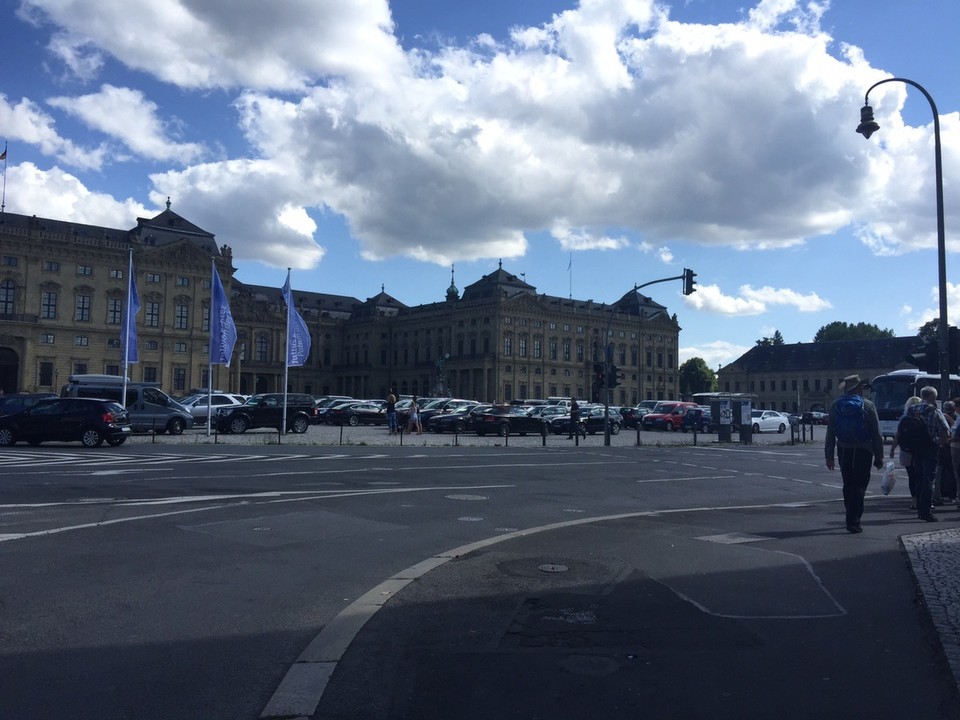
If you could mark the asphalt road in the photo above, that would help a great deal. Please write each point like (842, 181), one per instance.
(185, 579)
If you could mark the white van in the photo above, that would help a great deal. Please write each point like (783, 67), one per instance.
(150, 408)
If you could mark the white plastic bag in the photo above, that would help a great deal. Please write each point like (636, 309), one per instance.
(888, 478)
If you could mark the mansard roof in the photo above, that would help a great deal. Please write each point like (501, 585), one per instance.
(499, 283)
(841, 354)
(168, 227)
(342, 306)
(33, 223)
(380, 304)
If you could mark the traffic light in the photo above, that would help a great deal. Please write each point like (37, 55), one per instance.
(613, 377)
(688, 282)
(598, 375)
(926, 359)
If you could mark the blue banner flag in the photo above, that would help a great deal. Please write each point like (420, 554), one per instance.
(129, 337)
(298, 337)
(223, 331)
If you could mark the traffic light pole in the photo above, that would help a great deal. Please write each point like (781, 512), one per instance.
(608, 367)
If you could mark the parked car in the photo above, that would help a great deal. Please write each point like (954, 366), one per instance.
(88, 420)
(458, 421)
(149, 408)
(696, 419)
(768, 421)
(197, 404)
(15, 402)
(266, 410)
(631, 416)
(509, 419)
(356, 413)
(813, 417)
(667, 415)
(591, 420)
(320, 411)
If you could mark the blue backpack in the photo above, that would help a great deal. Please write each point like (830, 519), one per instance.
(850, 420)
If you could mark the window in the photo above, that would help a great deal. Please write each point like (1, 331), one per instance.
(81, 340)
(537, 347)
(523, 346)
(181, 313)
(262, 349)
(183, 281)
(48, 305)
(207, 284)
(46, 338)
(150, 374)
(566, 350)
(508, 345)
(9, 261)
(114, 311)
(205, 320)
(151, 317)
(180, 379)
(46, 374)
(51, 266)
(82, 309)
(80, 368)
(153, 277)
(7, 294)
(553, 347)
(180, 347)
(116, 273)
(580, 351)
(84, 270)
(152, 345)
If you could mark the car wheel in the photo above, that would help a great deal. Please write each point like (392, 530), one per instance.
(615, 428)
(238, 425)
(461, 426)
(300, 424)
(782, 429)
(503, 429)
(705, 428)
(756, 428)
(176, 426)
(91, 438)
(116, 441)
(668, 426)
(7, 437)
(353, 421)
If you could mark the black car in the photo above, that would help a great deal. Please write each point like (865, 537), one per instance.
(591, 420)
(459, 421)
(14, 403)
(631, 416)
(266, 410)
(509, 419)
(696, 420)
(356, 413)
(87, 420)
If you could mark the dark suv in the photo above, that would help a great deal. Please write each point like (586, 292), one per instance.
(88, 420)
(266, 410)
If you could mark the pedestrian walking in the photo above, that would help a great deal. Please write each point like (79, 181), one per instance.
(906, 459)
(414, 422)
(853, 431)
(945, 485)
(575, 426)
(925, 447)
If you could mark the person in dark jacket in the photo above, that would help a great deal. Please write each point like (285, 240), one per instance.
(855, 458)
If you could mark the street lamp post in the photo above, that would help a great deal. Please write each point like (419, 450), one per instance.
(867, 127)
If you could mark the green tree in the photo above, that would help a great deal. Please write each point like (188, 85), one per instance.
(847, 331)
(929, 331)
(777, 339)
(696, 377)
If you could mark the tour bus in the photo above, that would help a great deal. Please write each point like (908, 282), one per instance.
(890, 392)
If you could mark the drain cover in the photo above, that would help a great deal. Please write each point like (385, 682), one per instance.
(553, 568)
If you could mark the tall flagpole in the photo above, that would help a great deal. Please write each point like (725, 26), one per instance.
(286, 356)
(127, 318)
(210, 352)
(3, 199)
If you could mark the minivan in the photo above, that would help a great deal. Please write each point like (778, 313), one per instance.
(150, 408)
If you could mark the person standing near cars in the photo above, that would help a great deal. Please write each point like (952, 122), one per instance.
(414, 423)
(575, 420)
(391, 412)
(853, 430)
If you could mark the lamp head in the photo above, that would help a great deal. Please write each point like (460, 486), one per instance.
(868, 126)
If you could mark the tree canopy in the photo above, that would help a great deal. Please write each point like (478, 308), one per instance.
(696, 377)
(847, 331)
(777, 339)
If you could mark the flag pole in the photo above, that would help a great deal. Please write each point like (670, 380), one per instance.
(3, 199)
(286, 356)
(126, 316)
(213, 269)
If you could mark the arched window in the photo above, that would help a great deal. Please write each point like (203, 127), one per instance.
(262, 349)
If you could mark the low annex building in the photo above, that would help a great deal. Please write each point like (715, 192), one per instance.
(63, 291)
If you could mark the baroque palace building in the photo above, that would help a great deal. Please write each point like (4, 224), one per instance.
(63, 289)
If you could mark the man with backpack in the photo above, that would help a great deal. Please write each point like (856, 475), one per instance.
(924, 447)
(853, 430)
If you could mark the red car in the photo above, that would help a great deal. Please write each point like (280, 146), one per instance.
(667, 415)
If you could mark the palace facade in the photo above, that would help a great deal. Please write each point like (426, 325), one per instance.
(63, 289)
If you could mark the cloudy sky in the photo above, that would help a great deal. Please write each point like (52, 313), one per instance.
(590, 146)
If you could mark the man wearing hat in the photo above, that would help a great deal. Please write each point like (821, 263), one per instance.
(853, 429)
